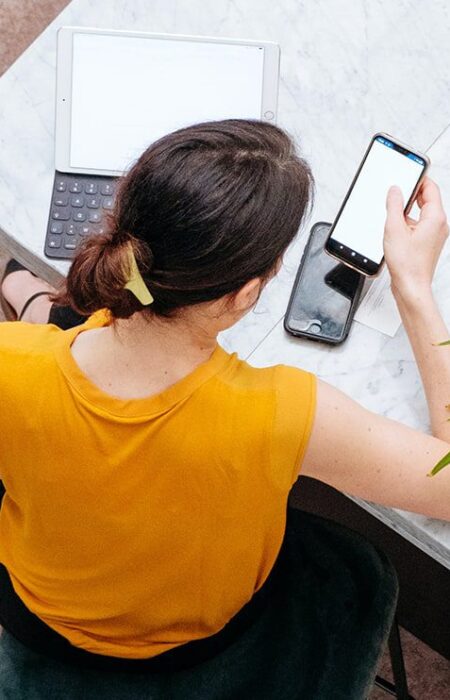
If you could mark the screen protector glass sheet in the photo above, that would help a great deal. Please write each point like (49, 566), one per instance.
(361, 224)
(129, 91)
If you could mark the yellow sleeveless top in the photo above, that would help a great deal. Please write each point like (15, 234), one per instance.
(134, 526)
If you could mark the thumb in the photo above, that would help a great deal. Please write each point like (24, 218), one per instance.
(395, 206)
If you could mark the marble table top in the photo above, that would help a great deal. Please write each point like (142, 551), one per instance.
(347, 70)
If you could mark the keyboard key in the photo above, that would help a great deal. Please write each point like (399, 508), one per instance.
(54, 242)
(62, 214)
(85, 230)
(107, 188)
(70, 245)
(93, 202)
(71, 229)
(91, 188)
(77, 201)
(98, 229)
(61, 201)
(56, 227)
(76, 187)
(95, 217)
(60, 185)
(108, 203)
(79, 216)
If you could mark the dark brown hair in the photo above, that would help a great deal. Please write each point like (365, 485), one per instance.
(206, 208)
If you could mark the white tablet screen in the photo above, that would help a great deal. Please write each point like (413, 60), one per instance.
(129, 91)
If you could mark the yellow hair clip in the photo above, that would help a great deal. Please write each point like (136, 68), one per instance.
(136, 284)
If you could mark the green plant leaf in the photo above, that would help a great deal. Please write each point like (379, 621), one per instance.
(445, 461)
(444, 342)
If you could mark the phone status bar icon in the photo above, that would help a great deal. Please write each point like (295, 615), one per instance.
(385, 142)
(416, 158)
(400, 149)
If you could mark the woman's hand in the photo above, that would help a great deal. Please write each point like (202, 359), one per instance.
(412, 248)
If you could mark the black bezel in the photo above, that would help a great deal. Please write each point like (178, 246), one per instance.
(352, 257)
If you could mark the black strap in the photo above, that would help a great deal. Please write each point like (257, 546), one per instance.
(65, 317)
(28, 302)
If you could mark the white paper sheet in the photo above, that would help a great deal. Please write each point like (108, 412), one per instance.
(378, 309)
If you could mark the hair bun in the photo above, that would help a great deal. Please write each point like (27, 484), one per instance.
(98, 275)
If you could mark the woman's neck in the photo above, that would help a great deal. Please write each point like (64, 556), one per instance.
(138, 337)
(136, 358)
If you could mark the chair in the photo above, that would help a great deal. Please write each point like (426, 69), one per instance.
(354, 565)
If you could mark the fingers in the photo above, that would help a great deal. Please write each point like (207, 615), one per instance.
(420, 195)
(419, 198)
(395, 206)
(430, 202)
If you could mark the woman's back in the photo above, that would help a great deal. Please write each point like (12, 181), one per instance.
(165, 514)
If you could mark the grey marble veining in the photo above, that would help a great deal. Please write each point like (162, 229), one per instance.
(348, 69)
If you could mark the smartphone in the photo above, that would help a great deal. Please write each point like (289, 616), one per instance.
(356, 236)
(325, 294)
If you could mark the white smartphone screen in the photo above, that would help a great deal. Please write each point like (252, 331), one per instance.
(129, 91)
(360, 226)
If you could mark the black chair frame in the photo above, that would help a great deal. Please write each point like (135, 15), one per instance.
(398, 689)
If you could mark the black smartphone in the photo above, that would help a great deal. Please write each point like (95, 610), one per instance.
(325, 294)
(356, 236)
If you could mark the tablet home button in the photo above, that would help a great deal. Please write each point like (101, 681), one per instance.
(269, 114)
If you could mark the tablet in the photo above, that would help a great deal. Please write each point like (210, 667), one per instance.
(119, 91)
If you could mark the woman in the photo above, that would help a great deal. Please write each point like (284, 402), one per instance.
(147, 471)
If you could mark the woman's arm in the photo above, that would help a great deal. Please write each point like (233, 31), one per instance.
(425, 329)
(412, 250)
(367, 455)
(380, 460)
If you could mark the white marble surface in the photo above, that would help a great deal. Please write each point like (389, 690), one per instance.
(348, 69)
